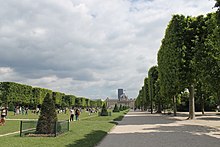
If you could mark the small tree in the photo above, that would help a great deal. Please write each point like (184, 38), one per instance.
(48, 116)
(116, 108)
(120, 108)
(104, 111)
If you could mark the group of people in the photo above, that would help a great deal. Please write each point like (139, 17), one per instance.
(4, 113)
(74, 112)
(20, 110)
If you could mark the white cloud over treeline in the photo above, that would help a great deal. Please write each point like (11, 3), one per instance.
(85, 47)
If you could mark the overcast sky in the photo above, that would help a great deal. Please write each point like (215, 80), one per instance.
(86, 48)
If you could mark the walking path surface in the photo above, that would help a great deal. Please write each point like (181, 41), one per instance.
(141, 129)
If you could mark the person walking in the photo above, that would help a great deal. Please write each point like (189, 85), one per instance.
(26, 110)
(3, 115)
(77, 114)
(72, 114)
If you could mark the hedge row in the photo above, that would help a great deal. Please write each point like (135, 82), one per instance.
(20, 94)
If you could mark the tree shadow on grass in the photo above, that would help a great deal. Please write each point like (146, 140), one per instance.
(119, 118)
(89, 140)
(114, 122)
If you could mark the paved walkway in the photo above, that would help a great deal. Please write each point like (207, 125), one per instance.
(141, 129)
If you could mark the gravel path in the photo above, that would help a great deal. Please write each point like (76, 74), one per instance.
(141, 129)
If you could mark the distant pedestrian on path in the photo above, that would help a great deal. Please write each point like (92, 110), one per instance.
(26, 110)
(77, 114)
(3, 115)
(72, 114)
(37, 110)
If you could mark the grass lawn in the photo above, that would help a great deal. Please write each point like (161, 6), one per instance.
(30, 115)
(11, 126)
(84, 133)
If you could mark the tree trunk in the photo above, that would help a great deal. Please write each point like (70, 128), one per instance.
(203, 105)
(159, 106)
(174, 105)
(191, 102)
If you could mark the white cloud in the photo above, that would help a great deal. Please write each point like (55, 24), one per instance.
(5, 70)
(83, 47)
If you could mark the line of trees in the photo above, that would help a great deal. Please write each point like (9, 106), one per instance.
(188, 66)
(19, 94)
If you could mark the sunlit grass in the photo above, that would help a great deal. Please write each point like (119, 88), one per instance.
(84, 133)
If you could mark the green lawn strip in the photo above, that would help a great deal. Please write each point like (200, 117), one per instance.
(9, 127)
(86, 132)
(30, 115)
(14, 125)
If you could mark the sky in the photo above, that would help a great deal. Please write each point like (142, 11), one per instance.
(86, 48)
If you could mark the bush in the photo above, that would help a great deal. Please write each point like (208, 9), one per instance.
(104, 111)
(125, 107)
(48, 116)
(116, 108)
(120, 108)
(11, 106)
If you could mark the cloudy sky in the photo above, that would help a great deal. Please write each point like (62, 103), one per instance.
(87, 48)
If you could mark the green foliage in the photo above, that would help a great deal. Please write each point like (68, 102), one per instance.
(48, 116)
(116, 109)
(104, 111)
(39, 95)
(217, 4)
(170, 57)
(78, 102)
(20, 94)
(84, 104)
(88, 102)
(146, 97)
(57, 97)
(11, 106)
(93, 103)
(152, 79)
(16, 93)
(189, 55)
(69, 100)
(120, 108)
(138, 101)
(125, 107)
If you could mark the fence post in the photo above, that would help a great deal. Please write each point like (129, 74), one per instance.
(20, 128)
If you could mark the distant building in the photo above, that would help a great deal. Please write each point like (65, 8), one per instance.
(110, 103)
(122, 100)
(120, 92)
(123, 97)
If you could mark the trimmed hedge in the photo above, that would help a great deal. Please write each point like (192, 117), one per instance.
(19, 94)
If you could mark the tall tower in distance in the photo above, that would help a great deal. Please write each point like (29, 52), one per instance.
(120, 92)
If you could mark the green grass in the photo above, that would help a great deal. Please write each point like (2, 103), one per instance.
(30, 115)
(10, 126)
(84, 133)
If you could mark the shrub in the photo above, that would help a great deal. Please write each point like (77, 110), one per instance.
(48, 116)
(116, 108)
(120, 108)
(104, 111)
(125, 107)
